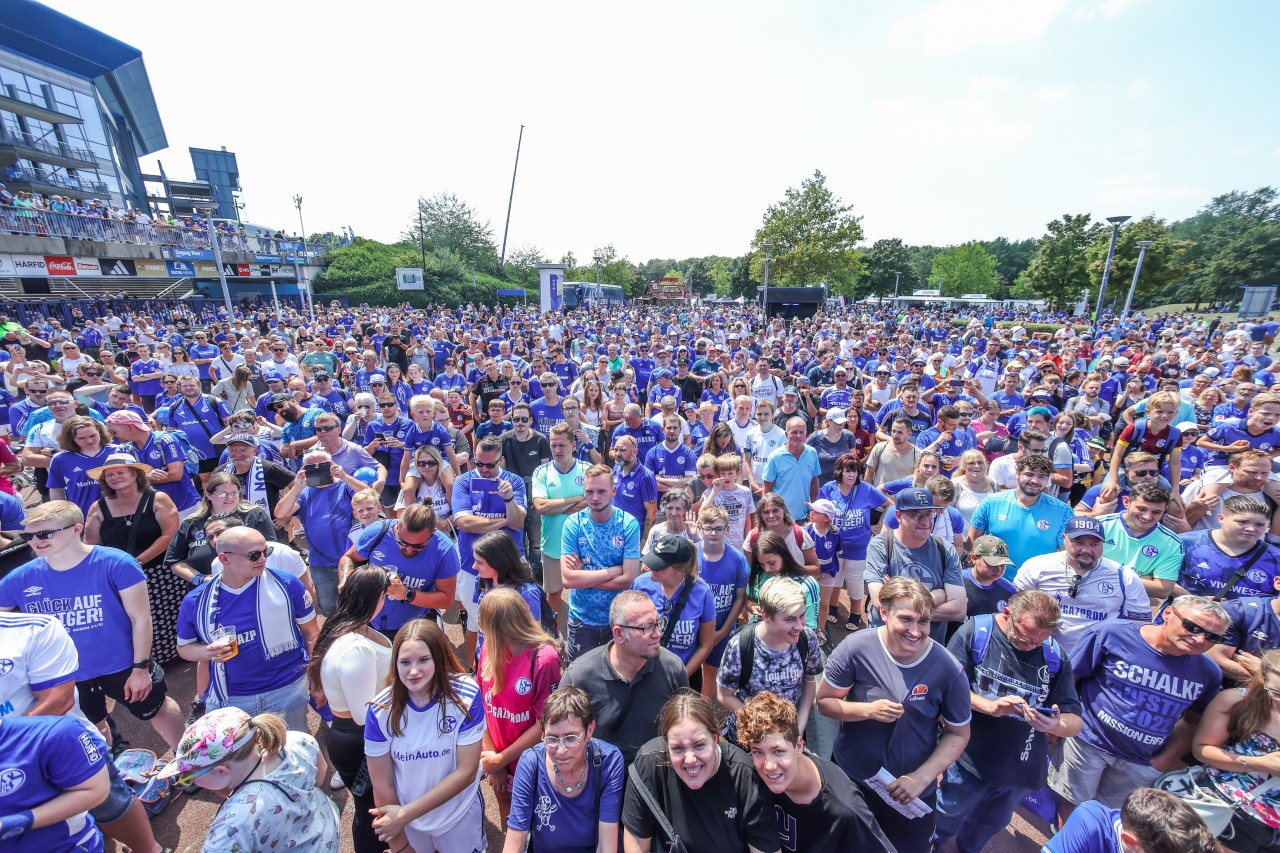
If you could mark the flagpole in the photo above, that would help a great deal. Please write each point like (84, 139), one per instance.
(511, 198)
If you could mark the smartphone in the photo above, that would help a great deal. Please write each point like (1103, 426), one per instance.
(481, 484)
(319, 473)
(1050, 711)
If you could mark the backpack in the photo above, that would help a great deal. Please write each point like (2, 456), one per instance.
(191, 456)
(982, 627)
(549, 618)
(139, 769)
(1140, 433)
(747, 651)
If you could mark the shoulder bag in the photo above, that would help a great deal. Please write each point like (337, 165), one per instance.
(674, 844)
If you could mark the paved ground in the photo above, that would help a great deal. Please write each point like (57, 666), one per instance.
(183, 824)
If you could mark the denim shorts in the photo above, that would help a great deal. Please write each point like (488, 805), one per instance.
(119, 798)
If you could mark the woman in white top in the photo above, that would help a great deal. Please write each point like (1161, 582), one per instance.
(350, 663)
(429, 481)
(972, 482)
(423, 738)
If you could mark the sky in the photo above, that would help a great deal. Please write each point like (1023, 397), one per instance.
(667, 128)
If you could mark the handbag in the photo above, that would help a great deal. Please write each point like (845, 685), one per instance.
(1191, 785)
(675, 845)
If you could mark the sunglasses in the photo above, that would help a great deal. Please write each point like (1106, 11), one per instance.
(188, 779)
(1198, 630)
(255, 556)
(488, 466)
(44, 535)
(520, 420)
(325, 428)
(1144, 473)
(275, 407)
(428, 463)
(91, 375)
(388, 405)
(411, 546)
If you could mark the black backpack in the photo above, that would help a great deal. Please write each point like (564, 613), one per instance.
(747, 651)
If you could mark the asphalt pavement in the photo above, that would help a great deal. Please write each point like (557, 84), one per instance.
(182, 826)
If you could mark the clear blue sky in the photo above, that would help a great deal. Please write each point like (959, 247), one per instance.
(667, 128)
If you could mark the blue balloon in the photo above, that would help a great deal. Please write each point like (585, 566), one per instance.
(366, 475)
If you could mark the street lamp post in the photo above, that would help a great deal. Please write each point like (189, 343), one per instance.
(1116, 222)
(1142, 253)
(217, 259)
(897, 279)
(766, 247)
(299, 268)
(596, 258)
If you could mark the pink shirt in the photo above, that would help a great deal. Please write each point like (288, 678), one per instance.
(527, 683)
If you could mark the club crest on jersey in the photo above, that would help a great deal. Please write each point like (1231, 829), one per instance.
(617, 540)
(1150, 551)
(1254, 576)
(6, 667)
(1106, 588)
(449, 724)
(1042, 524)
(524, 686)
(11, 780)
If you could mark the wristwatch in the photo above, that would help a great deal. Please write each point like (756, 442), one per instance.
(408, 599)
(143, 664)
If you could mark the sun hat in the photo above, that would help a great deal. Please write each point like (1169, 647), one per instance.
(119, 460)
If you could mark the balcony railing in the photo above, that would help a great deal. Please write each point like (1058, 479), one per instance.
(44, 223)
(18, 174)
(9, 136)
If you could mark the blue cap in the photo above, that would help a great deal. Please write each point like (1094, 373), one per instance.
(914, 498)
(662, 373)
(272, 376)
(1084, 525)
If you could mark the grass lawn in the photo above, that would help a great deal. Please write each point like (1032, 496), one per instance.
(1179, 307)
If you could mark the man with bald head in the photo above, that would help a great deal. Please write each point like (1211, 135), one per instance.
(255, 626)
(793, 470)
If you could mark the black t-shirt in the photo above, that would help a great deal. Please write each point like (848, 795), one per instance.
(487, 389)
(732, 810)
(1007, 748)
(837, 821)
(524, 457)
(277, 478)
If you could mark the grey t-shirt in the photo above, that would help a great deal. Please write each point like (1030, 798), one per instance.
(934, 686)
(935, 564)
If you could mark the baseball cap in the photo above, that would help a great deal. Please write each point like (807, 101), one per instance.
(320, 376)
(669, 550)
(914, 498)
(918, 360)
(823, 506)
(281, 397)
(1120, 361)
(790, 390)
(837, 417)
(992, 549)
(377, 377)
(1083, 525)
(243, 438)
(272, 376)
(1188, 426)
(1211, 372)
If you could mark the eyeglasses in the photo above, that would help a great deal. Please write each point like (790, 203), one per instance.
(1197, 630)
(224, 494)
(428, 463)
(91, 375)
(59, 403)
(520, 420)
(255, 556)
(488, 466)
(716, 529)
(390, 404)
(651, 628)
(1144, 472)
(188, 779)
(44, 535)
(275, 407)
(568, 741)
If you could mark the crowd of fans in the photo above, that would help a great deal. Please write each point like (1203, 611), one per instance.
(864, 581)
(22, 213)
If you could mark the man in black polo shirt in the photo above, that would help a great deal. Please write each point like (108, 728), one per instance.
(630, 678)
(523, 450)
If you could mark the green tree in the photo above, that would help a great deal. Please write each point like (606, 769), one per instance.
(721, 278)
(967, 268)
(1164, 263)
(1059, 269)
(520, 265)
(814, 238)
(1012, 258)
(922, 263)
(881, 263)
(447, 222)
(1236, 242)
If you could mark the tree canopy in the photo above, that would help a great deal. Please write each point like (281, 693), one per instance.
(813, 237)
(967, 268)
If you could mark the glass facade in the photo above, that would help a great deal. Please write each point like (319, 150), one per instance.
(222, 172)
(75, 156)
